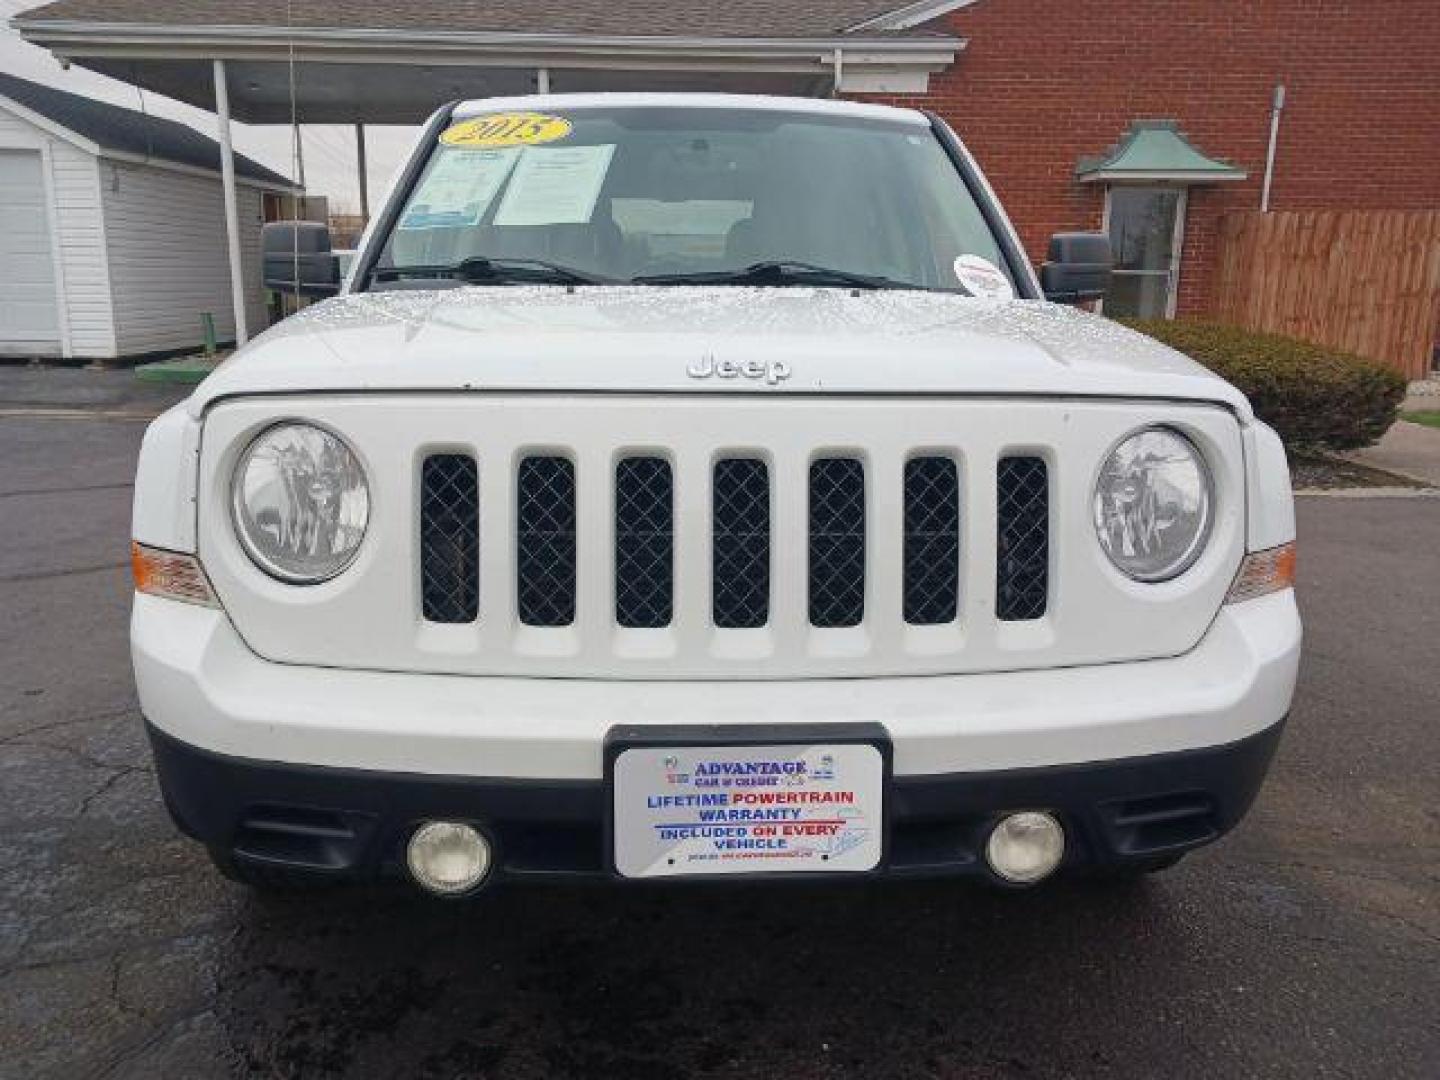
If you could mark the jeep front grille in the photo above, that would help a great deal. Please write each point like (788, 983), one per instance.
(734, 534)
(643, 563)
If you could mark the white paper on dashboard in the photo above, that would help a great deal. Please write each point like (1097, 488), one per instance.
(459, 188)
(555, 185)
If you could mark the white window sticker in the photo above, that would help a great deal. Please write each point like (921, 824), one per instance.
(459, 188)
(555, 185)
(982, 278)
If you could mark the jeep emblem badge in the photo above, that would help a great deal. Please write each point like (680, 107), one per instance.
(773, 372)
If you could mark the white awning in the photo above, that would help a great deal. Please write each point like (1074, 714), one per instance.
(355, 75)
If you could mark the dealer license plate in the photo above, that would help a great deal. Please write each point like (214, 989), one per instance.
(682, 810)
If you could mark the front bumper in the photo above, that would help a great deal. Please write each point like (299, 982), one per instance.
(329, 770)
(352, 824)
(199, 683)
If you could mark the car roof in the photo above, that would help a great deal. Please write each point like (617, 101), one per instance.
(753, 102)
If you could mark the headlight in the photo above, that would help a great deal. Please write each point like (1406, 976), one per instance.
(1153, 504)
(301, 503)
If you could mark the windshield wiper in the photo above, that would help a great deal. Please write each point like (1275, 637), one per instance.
(479, 269)
(776, 272)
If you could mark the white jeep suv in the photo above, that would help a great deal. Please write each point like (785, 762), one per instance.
(704, 486)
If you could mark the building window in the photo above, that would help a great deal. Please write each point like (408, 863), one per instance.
(1147, 232)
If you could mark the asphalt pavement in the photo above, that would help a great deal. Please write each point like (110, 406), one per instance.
(1306, 944)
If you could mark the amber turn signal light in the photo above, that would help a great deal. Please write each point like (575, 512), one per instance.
(170, 574)
(1264, 572)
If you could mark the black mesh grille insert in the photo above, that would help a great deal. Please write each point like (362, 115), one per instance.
(449, 539)
(644, 542)
(837, 542)
(1022, 569)
(932, 541)
(740, 583)
(545, 541)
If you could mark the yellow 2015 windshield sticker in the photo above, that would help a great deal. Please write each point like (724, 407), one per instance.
(506, 129)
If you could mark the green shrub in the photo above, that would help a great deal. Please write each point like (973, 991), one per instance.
(1317, 397)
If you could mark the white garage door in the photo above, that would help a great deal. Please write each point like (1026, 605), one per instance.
(29, 320)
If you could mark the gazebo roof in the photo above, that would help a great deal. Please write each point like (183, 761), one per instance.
(125, 132)
(1155, 150)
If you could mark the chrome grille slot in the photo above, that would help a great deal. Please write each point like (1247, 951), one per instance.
(449, 539)
(644, 543)
(545, 541)
(932, 541)
(837, 542)
(740, 544)
(1022, 535)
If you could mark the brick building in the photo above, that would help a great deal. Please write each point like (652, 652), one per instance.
(1042, 84)
(1149, 117)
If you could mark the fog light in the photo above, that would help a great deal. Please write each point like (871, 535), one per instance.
(448, 858)
(1023, 848)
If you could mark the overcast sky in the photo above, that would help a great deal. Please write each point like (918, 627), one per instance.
(329, 149)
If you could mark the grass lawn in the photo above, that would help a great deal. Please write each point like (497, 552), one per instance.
(1429, 419)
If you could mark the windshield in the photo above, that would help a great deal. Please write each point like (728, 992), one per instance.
(675, 195)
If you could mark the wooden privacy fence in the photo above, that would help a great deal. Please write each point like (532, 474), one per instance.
(1363, 280)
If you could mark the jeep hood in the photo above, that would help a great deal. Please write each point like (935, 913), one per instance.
(645, 340)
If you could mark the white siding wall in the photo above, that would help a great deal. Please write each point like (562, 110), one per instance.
(166, 235)
(82, 252)
(252, 217)
(76, 218)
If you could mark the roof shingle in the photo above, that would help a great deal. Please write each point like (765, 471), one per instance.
(114, 128)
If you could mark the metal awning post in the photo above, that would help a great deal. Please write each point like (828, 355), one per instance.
(232, 206)
(364, 176)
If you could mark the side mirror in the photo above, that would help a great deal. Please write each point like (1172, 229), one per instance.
(1077, 267)
(297, 258)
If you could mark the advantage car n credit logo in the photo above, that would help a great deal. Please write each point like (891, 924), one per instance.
(774, 372)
